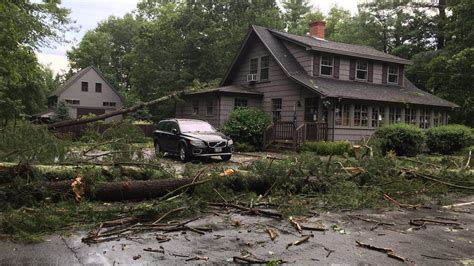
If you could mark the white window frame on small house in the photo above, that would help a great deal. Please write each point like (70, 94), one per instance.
(410, 116)
(378, 116)
(277, 104)
(394, 115)
(240, 102)
(251, 69)
(328, 64)
(361, 115)
(362, 66)
(342, 114)
(392, 71)
(209, 106)
(425, 118)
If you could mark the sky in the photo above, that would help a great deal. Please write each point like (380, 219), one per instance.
(88, 13)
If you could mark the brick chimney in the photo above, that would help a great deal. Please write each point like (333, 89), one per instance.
(317, 28)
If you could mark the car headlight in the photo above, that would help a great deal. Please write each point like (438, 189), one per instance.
(230, 142)
(198, 143)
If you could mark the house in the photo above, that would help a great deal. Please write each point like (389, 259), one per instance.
(86, 92)
(315, 89)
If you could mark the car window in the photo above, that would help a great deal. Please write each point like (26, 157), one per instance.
(161, 125)
(172, 126)
(195, 126)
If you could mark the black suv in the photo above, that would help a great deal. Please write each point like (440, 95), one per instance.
(190, 138)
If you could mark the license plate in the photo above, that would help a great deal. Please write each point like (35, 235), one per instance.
(218, 149)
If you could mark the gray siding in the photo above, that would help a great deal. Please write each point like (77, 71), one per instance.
(304, 57)
(228, 105)
(185, 109)
(91, 99)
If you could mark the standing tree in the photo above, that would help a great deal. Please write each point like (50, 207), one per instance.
(61, 112)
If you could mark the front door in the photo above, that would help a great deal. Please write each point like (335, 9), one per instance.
(311, 109)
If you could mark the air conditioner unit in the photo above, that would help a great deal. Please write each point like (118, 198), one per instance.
(251, 77)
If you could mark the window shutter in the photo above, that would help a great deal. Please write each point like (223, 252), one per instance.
(400, 75)
(316, 60)
(336, 67)
(384, 74)
(370, 77)
(352, 69)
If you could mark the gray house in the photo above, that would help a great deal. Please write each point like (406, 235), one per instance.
(315, 89)
(86, 92)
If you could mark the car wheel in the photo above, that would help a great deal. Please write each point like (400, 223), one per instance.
(225, 158)
(183, 154)
(157, 149)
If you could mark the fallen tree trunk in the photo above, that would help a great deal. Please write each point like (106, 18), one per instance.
(115, 113)
(110, 191)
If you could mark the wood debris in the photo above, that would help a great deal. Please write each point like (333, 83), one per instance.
(423, 221)
(273, 235)
(295, 224)
(243, 260)
(370, 220)
(254, 211)
(298, 242)
(390, 253)
(401, 205)
(161, 250)
(198, 258)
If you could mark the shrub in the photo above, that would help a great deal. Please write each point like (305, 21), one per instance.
(403, 139)
(246, 125)
(449, 139)
(125, 131)
(327, 148)
(244, 147)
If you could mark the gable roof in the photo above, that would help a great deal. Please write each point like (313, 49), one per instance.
(335, 88)
(322, 45)
(231, 89)
(76, 77)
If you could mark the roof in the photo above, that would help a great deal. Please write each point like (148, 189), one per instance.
(335, 88)
(340, 48)
(77, 76)
(237, 89)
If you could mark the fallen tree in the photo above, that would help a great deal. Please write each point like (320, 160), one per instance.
(117, 112)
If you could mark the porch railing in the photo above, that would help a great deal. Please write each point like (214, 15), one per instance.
(285, 132)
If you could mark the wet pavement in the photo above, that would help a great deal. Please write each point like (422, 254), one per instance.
(236, 234)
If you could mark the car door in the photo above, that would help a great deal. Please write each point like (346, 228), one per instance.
(173, 139)
(160, 135)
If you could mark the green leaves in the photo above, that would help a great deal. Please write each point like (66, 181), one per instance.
(246, 125)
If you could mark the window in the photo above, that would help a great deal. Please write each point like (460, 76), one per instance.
(109, 104)
(84, 86)
(394, 115)
(276, 109)
(239, 102)
(392, 74)
(361, 118)
(72, 101)
(209, 107)
(410, 116)
(253, 66)
(196, 107)
(425, 117)
(264, 68)
(436, 118)
(341, 115)
(378, 116)
(98, 87)
(326, 65)
(362, 70)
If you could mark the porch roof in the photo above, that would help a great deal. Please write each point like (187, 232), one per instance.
(232, 89)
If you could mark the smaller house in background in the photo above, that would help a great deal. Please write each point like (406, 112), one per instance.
(86, 92)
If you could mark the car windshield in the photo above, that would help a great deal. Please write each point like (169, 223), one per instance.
(195, 126)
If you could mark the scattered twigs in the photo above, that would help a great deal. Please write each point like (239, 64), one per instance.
(439, 258)
(458, 205)
(219, 194)
(198, 258)
(168, 213)
(273, 235)
(192, 184)
(420, 162)
(468, 162)
(295, 224)
(370, 220)
(161, 250)
(313, 228)
(243, 260)
(298, 242)
(401, 205)
(423, 221)
(387, 251)
(414, 174)
(254, 211)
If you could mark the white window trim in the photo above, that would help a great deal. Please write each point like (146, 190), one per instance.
(260, 68)
(250, 65)
(388, 74)
(321, 66)
(366, 70)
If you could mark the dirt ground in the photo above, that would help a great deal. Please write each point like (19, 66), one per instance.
(235, 233)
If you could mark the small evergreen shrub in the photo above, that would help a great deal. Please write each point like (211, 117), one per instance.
(449, 139)
(247, 125)
(125, 131)
(403, 139)
(327, 147)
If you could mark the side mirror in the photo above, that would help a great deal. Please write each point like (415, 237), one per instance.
(174, 131)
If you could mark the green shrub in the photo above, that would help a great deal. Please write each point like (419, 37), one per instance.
(247, 125)
(125, 131)
(449, 139)
(327, 148)
(403, 139)
(244, 147)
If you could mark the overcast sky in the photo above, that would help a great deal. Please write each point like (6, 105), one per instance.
(87, 13)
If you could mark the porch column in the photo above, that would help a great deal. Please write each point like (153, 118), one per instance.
(418, 113)
(351, 115)
(386, 118)
(402, 115)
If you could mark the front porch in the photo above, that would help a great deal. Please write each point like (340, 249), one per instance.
(287, 133)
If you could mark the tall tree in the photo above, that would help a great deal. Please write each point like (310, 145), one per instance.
(294, 14)
(24, 27)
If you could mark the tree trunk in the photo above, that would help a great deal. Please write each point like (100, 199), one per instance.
(80, 121)
(440, 34)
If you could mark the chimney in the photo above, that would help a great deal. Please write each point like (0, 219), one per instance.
(317, 28)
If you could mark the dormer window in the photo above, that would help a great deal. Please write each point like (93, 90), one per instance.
(327, 65)
(362, 70)
(393, 74)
